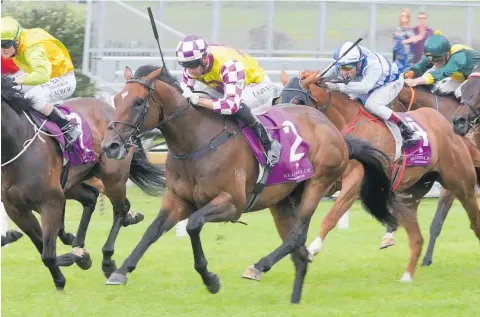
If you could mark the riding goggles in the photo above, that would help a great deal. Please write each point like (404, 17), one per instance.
(348, 67)
(7, 43)
(191, 64)
(436, 59)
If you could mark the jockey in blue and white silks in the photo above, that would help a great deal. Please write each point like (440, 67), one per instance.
(373, 79)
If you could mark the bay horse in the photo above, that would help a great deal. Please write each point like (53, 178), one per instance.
(447, 150)
(31, 181)
(211, 171)
(421, 97)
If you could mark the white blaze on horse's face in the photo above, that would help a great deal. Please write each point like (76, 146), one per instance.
(124, 94)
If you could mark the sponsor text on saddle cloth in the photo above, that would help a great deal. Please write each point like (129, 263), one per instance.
(419, 154)
(83, 152)
(294, 165)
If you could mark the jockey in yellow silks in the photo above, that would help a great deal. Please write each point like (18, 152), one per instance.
(47, 68)
(237, 82)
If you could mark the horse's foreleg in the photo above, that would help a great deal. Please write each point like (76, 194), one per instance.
(28, 223)
(351, 181)
(173, 210)
(221, 208)
(66, 237)
(445, 202)
(51, 215)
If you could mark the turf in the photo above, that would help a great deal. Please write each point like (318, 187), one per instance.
(351, 277)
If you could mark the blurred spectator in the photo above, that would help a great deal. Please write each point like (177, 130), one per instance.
(403, 36)
(423, 32)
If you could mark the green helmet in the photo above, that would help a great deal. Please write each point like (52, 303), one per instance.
(10, 29)
(436, 45)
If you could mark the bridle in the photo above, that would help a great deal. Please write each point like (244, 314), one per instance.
(309, 96)
(145, 106)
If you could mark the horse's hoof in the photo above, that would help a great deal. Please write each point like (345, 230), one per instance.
(108, 267)
(406, 278)
(387, 242)
(84, 262)
(116, 279)
(132, 218)
(214, 284)
(426, 262)
(65, 259)
(60, 285)
(67, 239)
(252, 273)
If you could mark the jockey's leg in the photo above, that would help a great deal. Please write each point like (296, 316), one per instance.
(377, 102)
(245, 114)
(54, 90)
(446, 86)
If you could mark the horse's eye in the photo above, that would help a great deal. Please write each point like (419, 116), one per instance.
(138, 102)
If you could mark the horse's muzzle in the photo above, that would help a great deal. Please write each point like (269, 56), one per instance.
(460, 125)
(114, 150)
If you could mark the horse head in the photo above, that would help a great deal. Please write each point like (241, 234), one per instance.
(469, 111)
(147, 97)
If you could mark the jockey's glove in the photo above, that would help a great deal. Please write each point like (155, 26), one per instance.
(188, 94)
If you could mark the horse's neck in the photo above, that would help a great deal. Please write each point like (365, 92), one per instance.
(445, 106)
(15, 131)
(342, 112)
(192, 129)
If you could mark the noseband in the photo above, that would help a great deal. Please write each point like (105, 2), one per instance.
(309, 97)
(145, 106)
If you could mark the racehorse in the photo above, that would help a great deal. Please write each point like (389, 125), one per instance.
(469, 113)
(31, 180)
(420, 97)
(413, 178)
(211, 170)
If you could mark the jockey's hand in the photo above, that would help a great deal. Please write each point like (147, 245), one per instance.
(411, 82)
(409, 74)
(332, 86)
(187, 93)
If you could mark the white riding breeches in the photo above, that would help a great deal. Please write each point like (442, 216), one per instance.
(56, 89)
(378, 100)
(258, 97)
(448, 86)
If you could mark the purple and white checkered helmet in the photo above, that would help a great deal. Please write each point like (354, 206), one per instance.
(191, 48)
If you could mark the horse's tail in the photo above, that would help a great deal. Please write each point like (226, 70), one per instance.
(146, 175)
(376, 192)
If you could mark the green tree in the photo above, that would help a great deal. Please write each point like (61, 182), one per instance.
(64, 21)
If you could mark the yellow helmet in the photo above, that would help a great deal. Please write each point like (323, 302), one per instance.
(10, 29)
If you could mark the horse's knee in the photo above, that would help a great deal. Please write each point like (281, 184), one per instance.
(49, 261)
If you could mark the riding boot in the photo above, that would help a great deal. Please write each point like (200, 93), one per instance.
(272, 147)
(70, 131)
(409, 136)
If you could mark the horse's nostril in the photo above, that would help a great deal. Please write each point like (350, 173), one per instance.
(114, 146)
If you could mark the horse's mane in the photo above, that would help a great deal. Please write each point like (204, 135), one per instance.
(164, 76)
(15, 98)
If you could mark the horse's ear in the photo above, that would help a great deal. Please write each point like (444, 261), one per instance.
(127, 73)
(283, 77)
(310, 79)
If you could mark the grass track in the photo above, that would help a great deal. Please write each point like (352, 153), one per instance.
(350, 278)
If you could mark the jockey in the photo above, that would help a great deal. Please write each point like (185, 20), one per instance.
(238, 81)
(373, 79)
(443, 64)
(48, 71)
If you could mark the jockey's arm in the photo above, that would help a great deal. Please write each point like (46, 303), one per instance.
(454, 64)
(36, 56)
(372, 74)
(421, 67)
(332, 73)
(233, 77)
(189, 81)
